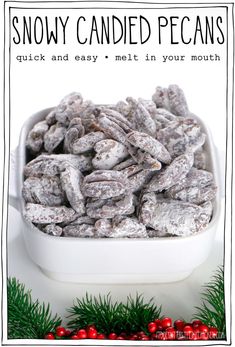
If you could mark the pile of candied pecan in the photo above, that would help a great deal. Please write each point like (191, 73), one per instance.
(134, 169)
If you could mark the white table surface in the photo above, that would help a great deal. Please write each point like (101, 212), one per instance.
(177, 299)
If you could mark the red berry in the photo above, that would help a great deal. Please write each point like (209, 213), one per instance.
(158, 322)
(166, 322)
(120, 338)
(187, 330)
(82, 334)
(91, 333)
(123, 334)
(203, 328)
(100, 336)
(49, 336)
(112, 336)
(91, 326)
(203, 336)
(152, 327)
(67, 332)
(170, 333)
(74, 337)
(141, 333)
(179, 324)
(144, 338)
(141, 336)
(161, 336)
(60, 331)
(133, 337)
(213, 333)
(196, 322)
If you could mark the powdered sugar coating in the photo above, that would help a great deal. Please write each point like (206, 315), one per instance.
(82, 230)
(117, 118)
(111, 129)
(144, 159)
(53, 229)
(109, 208)
(103, 189)
(87, 142)
(53, 137)
(105, 175)
(196, 195)
(36, 136)
(40, 214)
(43, 190)
(139, 180)
(177, 170)
(194, 178)
(71, 181)
(119, 170)
(171, 99)
(128, 227)
(68, 108)
(175, 217)
(181, 135)
(75, 131)
(124, 164)
(50, 164)
(150, 145)
(108, 154)
(103, 227)
(141, 118)
(200, 159)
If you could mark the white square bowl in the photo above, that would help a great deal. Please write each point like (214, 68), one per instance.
(81, 260)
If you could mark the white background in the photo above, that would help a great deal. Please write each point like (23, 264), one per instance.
(35, 86)
(38, 85)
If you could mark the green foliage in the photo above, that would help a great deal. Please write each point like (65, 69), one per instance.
(138, 314)
(212, 310)
(112, 317)
(99, 311)
(27, 319)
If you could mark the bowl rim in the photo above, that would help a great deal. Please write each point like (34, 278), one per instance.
(21, 161)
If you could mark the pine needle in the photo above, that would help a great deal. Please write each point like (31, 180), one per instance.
(138, 314)
(27, 319)
(112, 317)
(212, 310)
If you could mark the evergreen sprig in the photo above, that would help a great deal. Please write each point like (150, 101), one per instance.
(138, 314)
(112, 317)
(27, 319)
(212, 310)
